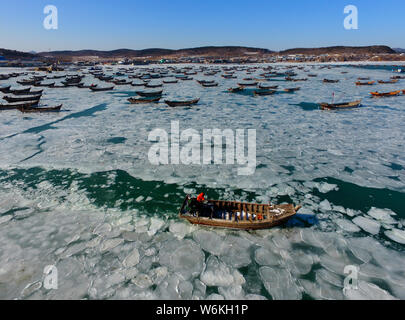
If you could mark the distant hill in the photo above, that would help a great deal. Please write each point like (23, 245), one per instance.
(13, 54)
(224, 51)
(399, 50)
(340, 50)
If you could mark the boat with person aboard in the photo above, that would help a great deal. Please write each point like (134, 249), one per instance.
(234, 214)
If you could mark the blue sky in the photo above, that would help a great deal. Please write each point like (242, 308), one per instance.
(174, 24)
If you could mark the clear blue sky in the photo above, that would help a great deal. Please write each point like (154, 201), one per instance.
(139, 24)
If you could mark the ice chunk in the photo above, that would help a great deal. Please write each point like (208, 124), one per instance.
(142, 281)
(216, 273)
(367, 291)
(383, 215)
(234, 292)
(110, 244)
(210, 241)
(132, 259)
(279, 284)
(396, 235)
(155, 225)
(184, 257)
(237, 252)
(180, 229)
(347, 225)
(265, 257)
(326, 187)
(297, 261)
(158, 274)
(368, 225)
(329, 277)
(325, 205)
(6, 218)
(102, 229)
(199, 289)
(31, 288)
(75, 249)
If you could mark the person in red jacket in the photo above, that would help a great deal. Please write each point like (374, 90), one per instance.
(200, 197)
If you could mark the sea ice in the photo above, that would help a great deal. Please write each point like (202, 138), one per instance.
(347, 225)
(396, 235)
(216, 273)
(279, 284)
(368, 225)
(367, 291)
(110, 244)
(132, 259)
(184, 257)
(265, 257)
(6, 218)
(383, 215)
(180, 229)
(210, 241)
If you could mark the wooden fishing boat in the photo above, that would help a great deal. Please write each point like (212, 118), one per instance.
(82, 86)
(235, 90)
(388, 82)
(209, 85)
(345, 105)
(268, 87)
(38, 84)
(138, 84)
(23, 98)
(330, 81)
(170, 81)
(248, 84)
(148, 85)
(149, 94)
(182, 103)
(5, 89)
(236, 215)
(40, 109)
(368, 83)
(27, 93)
(385, 94)
(11, 106)
(292, 89)
(264, 92)
(101, 89)
(139, 101)
(18, 91)
(397, 77)
(27, 82)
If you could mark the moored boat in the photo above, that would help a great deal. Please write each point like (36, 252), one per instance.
(23, 98)
(40, 109)
(149, 94)
(385, 94)
(139, 101)
(101, 89)
(344, 105)
(182, 103)
(368, 83)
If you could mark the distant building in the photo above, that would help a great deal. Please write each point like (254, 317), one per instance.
(2, 58)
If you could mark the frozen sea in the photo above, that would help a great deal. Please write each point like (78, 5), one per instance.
(77, 191)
